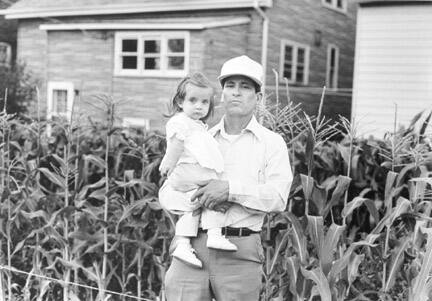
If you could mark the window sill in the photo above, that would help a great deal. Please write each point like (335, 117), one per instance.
(152, 75)
(342, 11)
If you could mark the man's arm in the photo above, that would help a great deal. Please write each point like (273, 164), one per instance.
(272, 195)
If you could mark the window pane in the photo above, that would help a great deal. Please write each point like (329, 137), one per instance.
(152, 63)
(301, 56)
(328, 1)
(176, 45)
(287, 72)
(332, 79)
(339, 3)
(151, 46)
(288, 62)
(288, 53)
(129, 62)
(332, 57)
(299, 75)
(129, 45)
(176, 62)
(59, 101)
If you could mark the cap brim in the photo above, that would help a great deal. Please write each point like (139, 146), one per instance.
(255, 80)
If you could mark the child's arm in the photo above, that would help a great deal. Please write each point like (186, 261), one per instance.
(173, 152)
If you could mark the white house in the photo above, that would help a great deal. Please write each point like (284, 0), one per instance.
(393, 64)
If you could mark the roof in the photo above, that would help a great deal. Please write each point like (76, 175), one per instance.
(378, 2)
(58, 8)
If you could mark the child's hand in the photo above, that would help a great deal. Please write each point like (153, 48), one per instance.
(165, 170)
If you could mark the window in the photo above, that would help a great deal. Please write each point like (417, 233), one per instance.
(294, 62)
(133, 122)
(332, 66)
(60, 99)
(340, 5)
(5, 54)
(151, 54)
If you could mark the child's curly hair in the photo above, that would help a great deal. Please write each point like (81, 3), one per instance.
(197, 79)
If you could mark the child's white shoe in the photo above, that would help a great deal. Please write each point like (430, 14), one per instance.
(186, 253)
(220, 242)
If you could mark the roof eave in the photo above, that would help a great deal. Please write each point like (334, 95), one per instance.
(12, 13)
(389, 2)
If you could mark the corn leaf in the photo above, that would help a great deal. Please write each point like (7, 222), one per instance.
(421, 285)
(322, 285)
(292, 268)
(396, 260)
(297, 236)
(53, 177)
(342, 186)
(329, 246)
(316, 232)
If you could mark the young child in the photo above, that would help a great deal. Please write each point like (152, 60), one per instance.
(193, 156)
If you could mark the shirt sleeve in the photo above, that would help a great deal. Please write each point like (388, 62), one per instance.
(177, 127)
(272, 195)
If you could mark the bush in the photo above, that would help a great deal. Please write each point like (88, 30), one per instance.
(20, 86)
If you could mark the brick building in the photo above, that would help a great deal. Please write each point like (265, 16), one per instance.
(138, 50)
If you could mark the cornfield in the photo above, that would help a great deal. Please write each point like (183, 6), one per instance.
(80, 218)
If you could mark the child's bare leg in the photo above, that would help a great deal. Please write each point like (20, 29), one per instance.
(186, 227)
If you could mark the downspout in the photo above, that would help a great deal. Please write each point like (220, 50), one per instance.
(263, 44)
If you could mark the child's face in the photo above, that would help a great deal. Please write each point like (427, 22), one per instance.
(197, 101)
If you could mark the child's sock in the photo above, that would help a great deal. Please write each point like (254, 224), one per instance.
(214, 231)
(183, 240)
(215, 240)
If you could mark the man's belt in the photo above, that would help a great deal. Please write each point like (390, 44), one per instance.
(230, 231)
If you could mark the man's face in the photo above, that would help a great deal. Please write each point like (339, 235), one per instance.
(239, 96)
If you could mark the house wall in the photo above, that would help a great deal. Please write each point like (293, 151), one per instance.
(32, 50)
(393, 66)
(298, 22)
(86, 58)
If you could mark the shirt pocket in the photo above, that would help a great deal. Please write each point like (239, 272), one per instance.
(257, 163)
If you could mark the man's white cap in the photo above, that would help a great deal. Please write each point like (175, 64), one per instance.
(242, 65)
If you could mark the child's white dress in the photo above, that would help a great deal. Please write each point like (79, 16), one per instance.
(200, 161)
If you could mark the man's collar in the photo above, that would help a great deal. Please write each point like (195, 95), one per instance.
(253, 126)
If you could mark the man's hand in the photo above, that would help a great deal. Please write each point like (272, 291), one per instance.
(223, 207)
(212, 193)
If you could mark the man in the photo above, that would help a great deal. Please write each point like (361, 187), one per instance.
(256, 180)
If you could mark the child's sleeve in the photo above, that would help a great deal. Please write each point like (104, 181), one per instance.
(176, 132)
(177, 127)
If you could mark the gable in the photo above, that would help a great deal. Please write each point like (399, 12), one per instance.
(57, 8)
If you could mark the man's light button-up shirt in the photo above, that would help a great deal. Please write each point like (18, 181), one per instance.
(258, 170)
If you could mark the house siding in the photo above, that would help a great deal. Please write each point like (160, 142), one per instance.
(393, 66)
(86, 57)
(298, 22)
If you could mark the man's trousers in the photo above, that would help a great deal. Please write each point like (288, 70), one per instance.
(225, 275)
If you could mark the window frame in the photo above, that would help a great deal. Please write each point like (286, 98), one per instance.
(140, 36)
(333, 5)
(56, 85)
(8, 54)
(334, 84)
(295, 46)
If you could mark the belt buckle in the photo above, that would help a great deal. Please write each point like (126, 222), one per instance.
(240, 232)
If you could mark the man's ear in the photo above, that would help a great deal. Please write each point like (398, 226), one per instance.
(260, 96)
